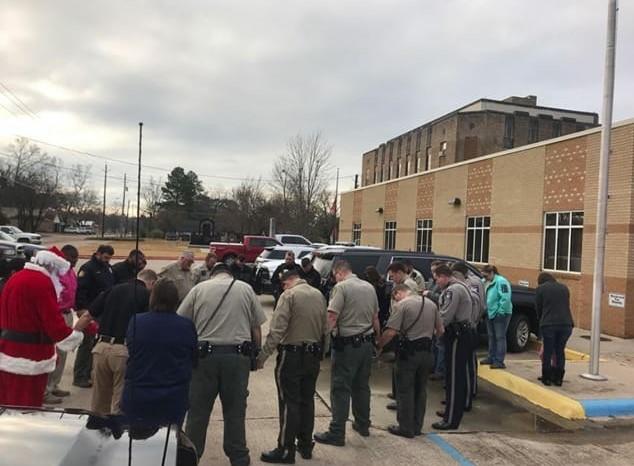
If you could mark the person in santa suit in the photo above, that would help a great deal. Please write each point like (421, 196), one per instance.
(31, 327)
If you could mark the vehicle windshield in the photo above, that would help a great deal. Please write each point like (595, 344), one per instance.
(15, 230)
(273, 254)
(323, 265)
(6, 237)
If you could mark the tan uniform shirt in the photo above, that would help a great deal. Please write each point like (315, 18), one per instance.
(300, 317)
(418, 278)
(239, 313)
(200, 274)
(183, 279)
(355, 303)
(406, 312)
(412, 285)
(455, 303)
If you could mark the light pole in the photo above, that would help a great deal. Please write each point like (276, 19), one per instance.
(602, 201)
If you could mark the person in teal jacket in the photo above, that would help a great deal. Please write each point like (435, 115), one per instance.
(499, 311)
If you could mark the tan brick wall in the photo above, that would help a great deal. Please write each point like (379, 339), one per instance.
(406, 215)
(425, 196)
(449, 221)
(479, 179)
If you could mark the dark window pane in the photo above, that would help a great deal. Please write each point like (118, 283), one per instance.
(477, 253)
(564, 219)
(577, 218)
(431, 223)
(551, 219)
(485, 246)
(471, 222)
(487, 221)
(576, 239)
(470, 245)
(562, 249)
(429, 242)
(549, 249)
(478, 221)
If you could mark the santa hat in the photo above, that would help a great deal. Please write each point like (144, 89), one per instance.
(52, 265)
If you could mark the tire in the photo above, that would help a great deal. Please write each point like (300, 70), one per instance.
(518, 333)
(229, 259)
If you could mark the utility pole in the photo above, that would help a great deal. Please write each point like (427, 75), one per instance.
(335, 233)
(103, 212)
(125, 188)
(127, 217)
(602, 201)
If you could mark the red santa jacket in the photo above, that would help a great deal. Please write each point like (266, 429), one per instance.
(28, 303)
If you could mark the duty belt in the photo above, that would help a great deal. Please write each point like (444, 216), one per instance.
(110, 340)
(206, 347)
(420, 344)
(313, 348)
(354, 339)
(35, 338)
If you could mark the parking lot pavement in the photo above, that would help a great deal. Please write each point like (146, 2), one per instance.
(494, 433)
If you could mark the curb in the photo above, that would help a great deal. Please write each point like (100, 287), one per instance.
(563, 406)
(608, 407)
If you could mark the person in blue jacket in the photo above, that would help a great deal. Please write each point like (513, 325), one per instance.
(162, 349)
(499, 311)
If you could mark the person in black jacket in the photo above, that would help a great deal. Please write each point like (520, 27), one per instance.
(241, 271)
(94, 277)
(126, 270)
(288, 264)
(113, 309)
(552, 303)
(308, 273)
(373, 276)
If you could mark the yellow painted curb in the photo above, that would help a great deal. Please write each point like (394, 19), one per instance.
(538, 395)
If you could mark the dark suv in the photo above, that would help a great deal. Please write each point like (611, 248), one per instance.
(524, 320)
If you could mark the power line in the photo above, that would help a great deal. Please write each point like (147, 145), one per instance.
(9, 110)
(19, 102)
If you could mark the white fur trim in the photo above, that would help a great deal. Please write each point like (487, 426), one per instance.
(23, 366)
(71, 342)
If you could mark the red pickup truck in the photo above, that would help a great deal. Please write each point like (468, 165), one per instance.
(250, 248)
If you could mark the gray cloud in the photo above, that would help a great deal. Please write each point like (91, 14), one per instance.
(222, 85)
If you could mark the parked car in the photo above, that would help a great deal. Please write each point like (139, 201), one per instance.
(10, 247)
(172, 236)
(21, 236)
(289, 239)
(250, 248)
(76, 438)
(523, 322)
(268, 261)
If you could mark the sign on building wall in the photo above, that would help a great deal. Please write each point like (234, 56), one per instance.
(616, 300)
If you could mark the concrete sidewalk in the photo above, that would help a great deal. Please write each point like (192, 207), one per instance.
(577, 399)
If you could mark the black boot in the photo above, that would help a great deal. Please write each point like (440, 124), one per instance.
(546, 378)
(306, 450)
(279, 455)
(558, 377)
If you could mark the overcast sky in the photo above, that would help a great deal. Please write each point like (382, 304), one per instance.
(222, 85)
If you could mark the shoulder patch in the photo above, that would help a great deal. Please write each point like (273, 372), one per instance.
(504, 288)
(447, 296)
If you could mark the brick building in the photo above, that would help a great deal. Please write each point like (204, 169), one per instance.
(525, 210)
(479, 128)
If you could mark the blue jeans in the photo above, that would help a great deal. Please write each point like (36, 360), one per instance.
(555, 338)
(496, 329)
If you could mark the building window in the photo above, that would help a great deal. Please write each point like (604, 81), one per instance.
(409, 143)
(356, 233)
(428, 159)
(407, 161)
(478, 230)
(398, 168)
(563, 236)
(417, 162)
(390, 235)
(509, 131)
(533, 130)
(556, 129)
(419, 137)
(428, 136)
(423, 235)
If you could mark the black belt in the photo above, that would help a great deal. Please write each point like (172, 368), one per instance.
(420, 344)
(36, 338)
(360, 338)
(313, 348)
(111, 340)
(206, 347)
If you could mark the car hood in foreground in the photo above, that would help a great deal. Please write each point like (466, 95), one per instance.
(52, 438)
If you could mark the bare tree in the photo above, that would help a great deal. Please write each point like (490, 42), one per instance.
(250, 200)
(152, 197)
(301, 177)
(31, 182)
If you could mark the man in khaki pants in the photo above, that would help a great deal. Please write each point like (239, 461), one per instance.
(114, 309)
